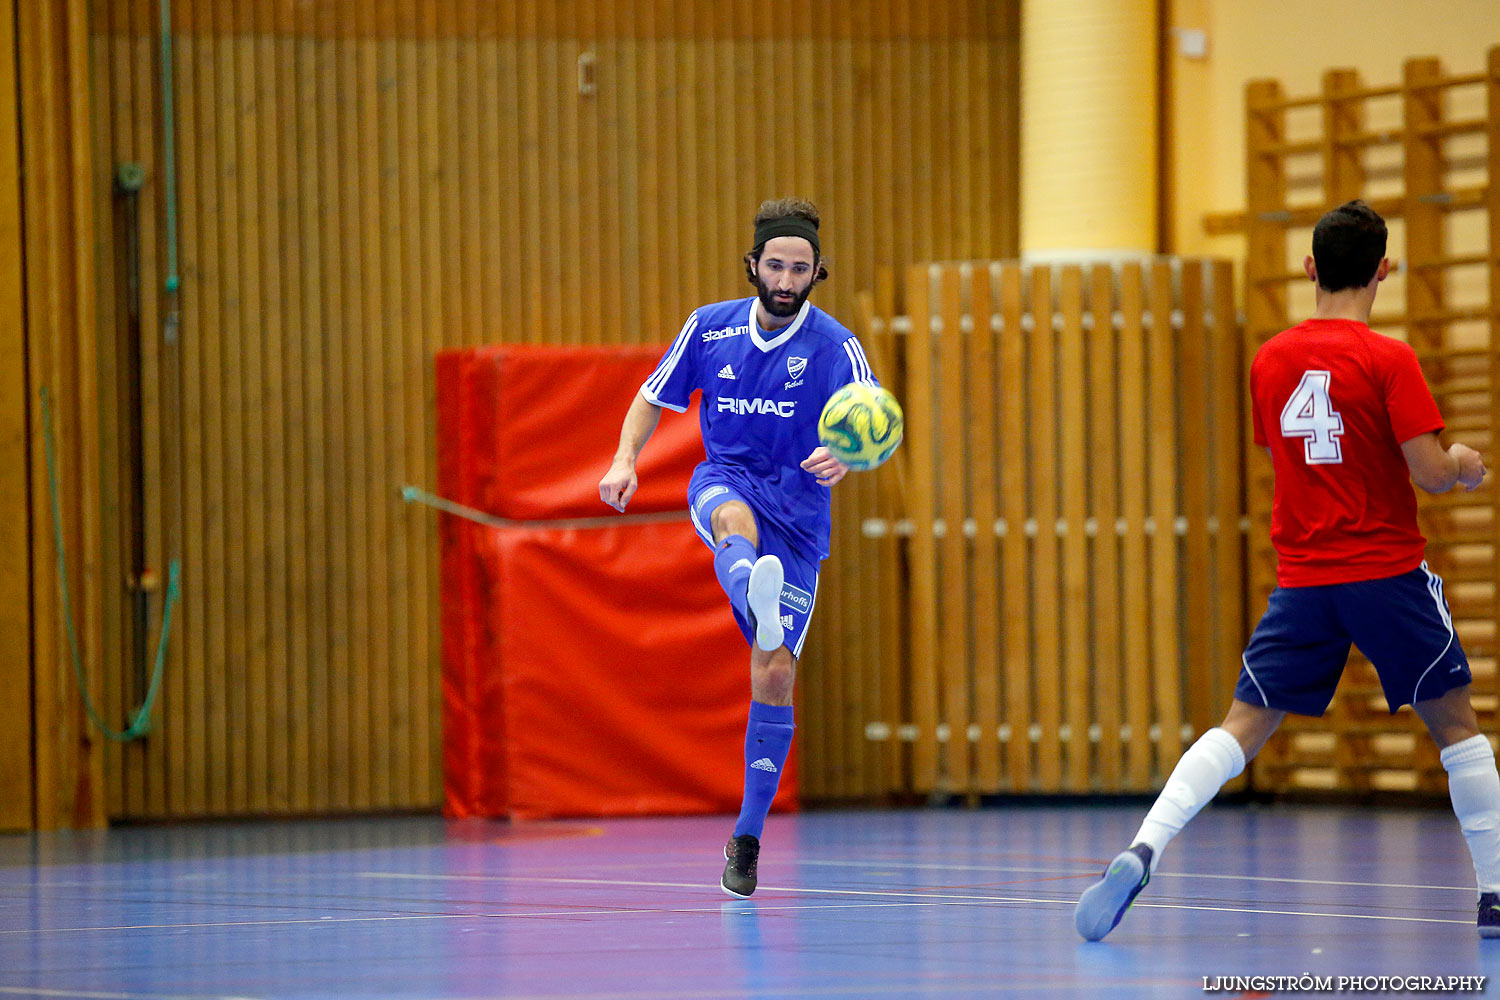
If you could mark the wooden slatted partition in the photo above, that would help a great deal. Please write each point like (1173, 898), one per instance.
(1444, 214)
(363, 182)
(1071, 519)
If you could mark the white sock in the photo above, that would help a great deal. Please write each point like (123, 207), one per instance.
(1212, 760)
(1474, 787)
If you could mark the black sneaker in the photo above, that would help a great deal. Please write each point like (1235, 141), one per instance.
(740, 856)
(1104, 903)
(1489, 914)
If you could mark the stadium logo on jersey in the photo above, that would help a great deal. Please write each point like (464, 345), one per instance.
(726, 372)
(709, 494)
(771, 407)
(725, 332)
(796, 598)
(796, 366)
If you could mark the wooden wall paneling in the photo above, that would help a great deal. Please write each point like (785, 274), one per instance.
(296, 702)
(957, 610)
(631, 321)
(490, 172)
(582, 208)
(110, 65)
(1104, 509)
(346, 650)
(614, 324)
(470, 170)
(199, 272)
(226, 707)
(61, 325)
(862, 668)
(1134, 475)
(884, 575)
(512, 286)
(164, 493)
(282, 711)
(391, 728)
(1166, 683)
(17, 408)
(923, 593)
(654, 186)
(1077, 661)
(558, 103)
(944, 55)
(250, 488)
(318, 237)
(1046, 612)
(428, 334)
(409, 461)
(985, 447)
(1193, 457)
(1228, 478)
(1015, 580)
(1492, 218)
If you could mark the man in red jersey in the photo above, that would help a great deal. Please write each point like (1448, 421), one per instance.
(1347, 419)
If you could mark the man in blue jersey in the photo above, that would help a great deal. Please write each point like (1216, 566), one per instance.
(765, 366)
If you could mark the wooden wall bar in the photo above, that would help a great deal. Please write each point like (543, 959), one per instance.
(363, 182)
(1069, 504)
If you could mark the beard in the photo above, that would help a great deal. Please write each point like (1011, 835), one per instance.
(780, 308)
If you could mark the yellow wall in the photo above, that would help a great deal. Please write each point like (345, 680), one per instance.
(1295, 42)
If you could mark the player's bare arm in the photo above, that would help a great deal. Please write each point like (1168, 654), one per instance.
(822, 464)
(619, 483)
(1438, 470)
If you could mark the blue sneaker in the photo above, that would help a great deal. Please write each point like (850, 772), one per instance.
(1103, 904)
(1489, 914)
(764, 602)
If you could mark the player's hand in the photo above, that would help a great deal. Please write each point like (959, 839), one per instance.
(822, 464)
(618, 485)
(1471, 468)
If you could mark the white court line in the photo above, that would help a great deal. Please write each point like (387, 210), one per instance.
(910, 899)
(33, 991)
(1154, 875)
(966, 898)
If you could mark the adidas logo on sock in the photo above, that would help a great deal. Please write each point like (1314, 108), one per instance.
(764, 764)
(726, 372)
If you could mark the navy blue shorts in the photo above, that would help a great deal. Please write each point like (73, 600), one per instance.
(1401, 623)
(799, 592)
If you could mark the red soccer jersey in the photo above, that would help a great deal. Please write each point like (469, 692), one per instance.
(1334, 400)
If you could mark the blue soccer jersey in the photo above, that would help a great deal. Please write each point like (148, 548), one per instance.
(762, 395)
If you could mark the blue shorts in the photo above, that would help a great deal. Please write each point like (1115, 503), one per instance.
(1401, 623)
(799, 593)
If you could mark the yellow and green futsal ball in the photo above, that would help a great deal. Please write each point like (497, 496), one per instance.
(861, 425)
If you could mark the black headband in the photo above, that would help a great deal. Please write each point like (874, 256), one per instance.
(791, 225)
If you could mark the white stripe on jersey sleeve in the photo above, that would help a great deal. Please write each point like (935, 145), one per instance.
(859, 362)
(668, 364)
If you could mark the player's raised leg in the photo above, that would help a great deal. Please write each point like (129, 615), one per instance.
(1216, 757)
(1474, 788)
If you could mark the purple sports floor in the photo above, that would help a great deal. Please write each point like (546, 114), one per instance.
(941, 903)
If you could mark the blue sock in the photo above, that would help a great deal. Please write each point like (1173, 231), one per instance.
(768, 739)
(733, 559)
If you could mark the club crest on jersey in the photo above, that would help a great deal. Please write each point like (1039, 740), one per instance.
(796, 366)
